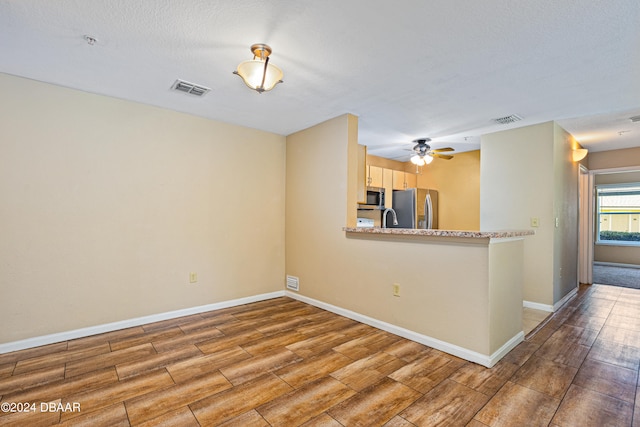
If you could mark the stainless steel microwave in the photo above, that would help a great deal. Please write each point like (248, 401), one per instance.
(374, 200)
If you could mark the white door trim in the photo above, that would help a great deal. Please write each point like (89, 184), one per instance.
(585, 225)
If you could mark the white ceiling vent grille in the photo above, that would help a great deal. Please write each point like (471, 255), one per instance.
(293, 283)
(190, 88)
(507, 119)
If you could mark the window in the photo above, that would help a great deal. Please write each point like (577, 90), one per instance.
(618, 214)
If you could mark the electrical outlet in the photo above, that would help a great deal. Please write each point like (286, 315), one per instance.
(396, 289)
(193, 277)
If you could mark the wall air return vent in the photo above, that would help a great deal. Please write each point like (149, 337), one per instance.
(190, 88)
(293, 283)
(507, 119)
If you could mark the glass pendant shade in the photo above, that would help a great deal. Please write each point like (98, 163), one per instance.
(257, 73)
(421, 160)
(253, 71)
(417, 160)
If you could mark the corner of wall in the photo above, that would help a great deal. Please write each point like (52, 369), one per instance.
(565, 252)
(352, 170)
(517, 184)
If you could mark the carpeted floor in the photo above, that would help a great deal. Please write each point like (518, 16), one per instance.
(617, 276)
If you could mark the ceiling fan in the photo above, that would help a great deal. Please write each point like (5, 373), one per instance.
(424, 154)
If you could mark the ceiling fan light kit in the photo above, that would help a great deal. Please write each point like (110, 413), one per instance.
(424, 154)
(419, 160)
(258, 73)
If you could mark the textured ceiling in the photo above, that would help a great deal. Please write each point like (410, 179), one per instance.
(409, 68)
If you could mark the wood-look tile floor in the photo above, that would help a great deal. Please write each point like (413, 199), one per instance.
(284, 363)
(531, 318)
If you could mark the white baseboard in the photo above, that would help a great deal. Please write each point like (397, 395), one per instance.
(565, 299)
(551, 308)
(108, 327)
(472, 356)
(506, 348)
(537, 306)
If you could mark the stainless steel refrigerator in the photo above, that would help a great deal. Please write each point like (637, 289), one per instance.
(415, 208)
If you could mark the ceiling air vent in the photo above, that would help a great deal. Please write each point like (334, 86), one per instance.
(190, 88)
(508, 119)
(635, 119)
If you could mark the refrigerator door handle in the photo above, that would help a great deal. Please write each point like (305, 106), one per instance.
(428, 212)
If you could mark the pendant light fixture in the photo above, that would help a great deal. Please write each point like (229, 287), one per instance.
(257, 73)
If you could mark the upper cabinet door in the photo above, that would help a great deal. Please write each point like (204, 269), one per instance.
(375, 176)
(398, 180)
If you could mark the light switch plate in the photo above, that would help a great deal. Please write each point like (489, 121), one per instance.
(535, 222)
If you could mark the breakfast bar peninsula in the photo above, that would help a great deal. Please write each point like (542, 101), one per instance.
(467, 288)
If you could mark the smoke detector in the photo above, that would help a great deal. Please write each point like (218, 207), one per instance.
(507, 119)
(190, 88)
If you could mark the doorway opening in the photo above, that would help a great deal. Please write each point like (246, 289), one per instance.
(614, 230)
(628, 277)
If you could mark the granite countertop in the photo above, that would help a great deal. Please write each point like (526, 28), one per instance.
(506, 234)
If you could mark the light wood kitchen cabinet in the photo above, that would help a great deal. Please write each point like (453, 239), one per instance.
(390, 179)
(375, 176)
(403, 180)
(398, 180)
(387, 179)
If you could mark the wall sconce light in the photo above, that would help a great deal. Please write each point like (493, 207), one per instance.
(579, 154)
(257, 73)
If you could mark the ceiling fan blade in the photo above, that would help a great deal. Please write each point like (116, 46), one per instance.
(438, 150)
(441, 156)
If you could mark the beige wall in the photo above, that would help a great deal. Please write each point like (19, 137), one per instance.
(505, 291)
(617, 254)
(444, 287)
(458, 183)
(565, 243)
(516, 176)
(107, 205)
(528, 173)
(628, 157)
